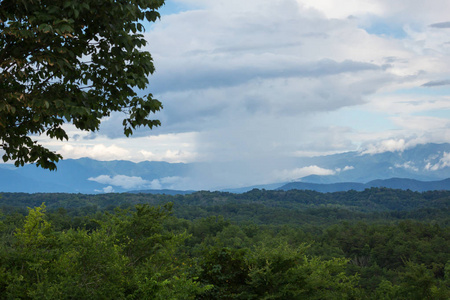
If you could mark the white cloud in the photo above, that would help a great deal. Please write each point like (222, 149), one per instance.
(99, 151)
(390, 145)
(293, 174)
(410, 104)
(343, 9)
(108, 189)
(421, 123)
(155, 185)
(417, 11)
(136, 182)
(175, 147)
(346, 168)
(171, 179)
(169, 156)
(400, 140)
(170, 182)
(443, 163)
(126, 182)
(409, 165)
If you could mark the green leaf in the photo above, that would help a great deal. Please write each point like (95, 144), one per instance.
(61, 84)
(45, 28)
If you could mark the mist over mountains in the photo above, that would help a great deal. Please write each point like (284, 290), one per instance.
(420, 168)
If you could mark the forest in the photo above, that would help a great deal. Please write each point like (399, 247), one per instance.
(375, 244)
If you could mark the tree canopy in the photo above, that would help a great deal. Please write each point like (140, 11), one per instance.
(71, 62)
(117, 246)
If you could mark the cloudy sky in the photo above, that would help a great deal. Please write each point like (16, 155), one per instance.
(245, 82)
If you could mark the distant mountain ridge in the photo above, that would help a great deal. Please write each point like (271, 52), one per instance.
(162, 192)
(392, 183)
(350, 170)
(88, 176)
(427, 162)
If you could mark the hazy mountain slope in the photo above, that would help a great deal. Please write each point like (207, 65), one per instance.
(324, 187)
(411, 184)
(73, 175)
(424, 162)
(393, 183)
(430, 162)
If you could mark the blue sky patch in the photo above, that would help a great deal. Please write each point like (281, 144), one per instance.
(363, 119)
(173, 7)
(386, 29)
(435, 91)
(441, 113)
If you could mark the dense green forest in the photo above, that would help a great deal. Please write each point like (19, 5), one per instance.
(375, 244)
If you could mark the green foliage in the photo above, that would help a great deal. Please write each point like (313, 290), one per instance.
(285, 272)
(226, 270)
(271, 270)
(71, 61)
(85, 248)
(298, 208)
(32, 256)
(91, 265)
(276, 271)
(140, 231)
(36, 229)
(129, 256)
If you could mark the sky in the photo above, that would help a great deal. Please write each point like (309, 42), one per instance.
(249, 85)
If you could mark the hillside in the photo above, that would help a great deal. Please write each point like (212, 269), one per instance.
(351, 170)
(393, 183)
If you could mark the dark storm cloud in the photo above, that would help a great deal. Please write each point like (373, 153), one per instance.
(436, 83)
(203, 77)
(441, 25)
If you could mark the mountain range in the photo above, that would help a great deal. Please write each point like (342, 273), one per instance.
(392, 183)
(423, 167)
